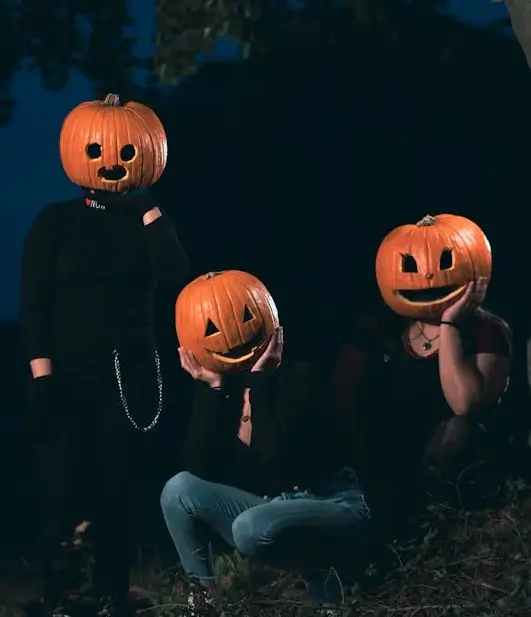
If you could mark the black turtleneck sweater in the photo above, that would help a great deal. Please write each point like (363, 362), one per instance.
(89, 273)
(294, 439)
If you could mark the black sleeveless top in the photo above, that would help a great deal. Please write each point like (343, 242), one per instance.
(401, 400)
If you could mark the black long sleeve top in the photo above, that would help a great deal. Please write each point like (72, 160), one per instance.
(89, 273)
(292, 442)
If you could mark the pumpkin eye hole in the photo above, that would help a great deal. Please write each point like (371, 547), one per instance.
(211, 328)
(409, 264)
(447, 259)
(247, 315)
(128, 152)
(93, 151)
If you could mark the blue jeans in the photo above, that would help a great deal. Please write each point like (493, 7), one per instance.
(295, 531)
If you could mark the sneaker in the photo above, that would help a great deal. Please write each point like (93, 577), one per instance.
(201, 603)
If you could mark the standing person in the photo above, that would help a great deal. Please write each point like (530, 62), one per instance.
(259, 427)
(89, 271)
(420, 380)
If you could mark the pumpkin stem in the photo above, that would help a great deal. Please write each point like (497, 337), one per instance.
(211, 275)
(113, 100)
(427, 221)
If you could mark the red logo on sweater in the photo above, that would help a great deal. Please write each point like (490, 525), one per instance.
(92, 203)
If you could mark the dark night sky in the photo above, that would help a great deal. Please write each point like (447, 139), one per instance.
(32, 138)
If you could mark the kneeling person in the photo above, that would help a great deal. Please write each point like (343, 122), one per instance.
(258, 428)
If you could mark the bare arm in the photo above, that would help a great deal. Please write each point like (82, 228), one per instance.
(41, 367)
(469, 383)
(151, 216)
(37, 292)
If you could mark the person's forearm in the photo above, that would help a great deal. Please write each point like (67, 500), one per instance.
(40, 367)
(462, 384)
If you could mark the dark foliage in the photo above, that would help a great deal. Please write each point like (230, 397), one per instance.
(56, 37)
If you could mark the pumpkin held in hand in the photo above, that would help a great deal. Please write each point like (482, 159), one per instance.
(423, 269)
(225, 319)
(107, 146)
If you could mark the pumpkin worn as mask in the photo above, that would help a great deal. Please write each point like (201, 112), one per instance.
(111, 147)
(423, 269)
(226, 320)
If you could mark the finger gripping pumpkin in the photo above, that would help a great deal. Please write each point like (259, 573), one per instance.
(423, 269)
(107, 146)
(226, 319)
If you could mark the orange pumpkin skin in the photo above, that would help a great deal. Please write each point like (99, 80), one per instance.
(112, 147)
(226, 319)
(423, 269)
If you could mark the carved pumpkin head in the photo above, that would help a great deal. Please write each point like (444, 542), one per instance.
(423, 269)
(112, 147)
(225, 319)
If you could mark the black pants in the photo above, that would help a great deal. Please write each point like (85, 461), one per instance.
(90, 466)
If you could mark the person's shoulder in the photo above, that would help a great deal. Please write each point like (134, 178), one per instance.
(302, 379)
(141, 197)
(58, 208)
(487, 332)
(375, 324)
(45, 219)
(485, 319)
(298, 369)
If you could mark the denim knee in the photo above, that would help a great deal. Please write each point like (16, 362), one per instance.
(177, 493)
(251, 533)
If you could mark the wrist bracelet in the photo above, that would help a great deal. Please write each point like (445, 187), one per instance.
(452, 324)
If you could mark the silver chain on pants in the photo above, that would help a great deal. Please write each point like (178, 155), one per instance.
(123, 398)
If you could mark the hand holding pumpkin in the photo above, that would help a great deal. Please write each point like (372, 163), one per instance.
(272, 357)
(472, 298)
(192, 366)
(226, 319)
(423, 269)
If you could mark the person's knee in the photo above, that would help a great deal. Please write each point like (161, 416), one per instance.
(180, 493)
(252, 533)
(450, 441)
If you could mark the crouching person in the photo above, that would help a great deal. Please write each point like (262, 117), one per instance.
(258, 428)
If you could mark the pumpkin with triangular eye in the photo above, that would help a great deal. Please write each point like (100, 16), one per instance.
(423, 269)
(225, 319)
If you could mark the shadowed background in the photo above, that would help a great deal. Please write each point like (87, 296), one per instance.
(298, 137)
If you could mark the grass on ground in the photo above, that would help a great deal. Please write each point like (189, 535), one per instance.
(465, 563)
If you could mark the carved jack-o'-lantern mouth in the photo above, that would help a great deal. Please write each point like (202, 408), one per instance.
(431, 294)
(112, 174)
(242, 352)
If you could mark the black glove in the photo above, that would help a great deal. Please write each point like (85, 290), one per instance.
(43, 410)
